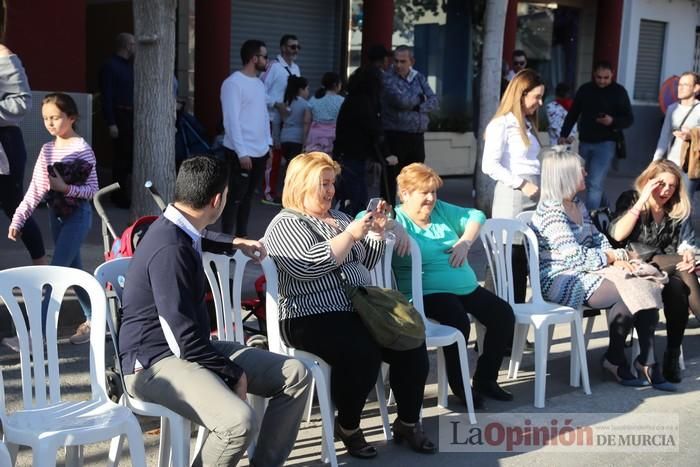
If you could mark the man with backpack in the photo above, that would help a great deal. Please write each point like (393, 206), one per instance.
(165, 351)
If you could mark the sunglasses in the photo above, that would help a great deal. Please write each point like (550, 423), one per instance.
(294, 46)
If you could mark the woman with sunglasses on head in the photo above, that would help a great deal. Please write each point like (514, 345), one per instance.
(651, 221)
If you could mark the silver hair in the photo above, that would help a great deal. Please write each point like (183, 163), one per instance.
(562, 171)
(404, 48)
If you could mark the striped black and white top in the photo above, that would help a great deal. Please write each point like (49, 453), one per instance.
(307, 284)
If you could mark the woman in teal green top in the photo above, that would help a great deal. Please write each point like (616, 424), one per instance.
(444, 233)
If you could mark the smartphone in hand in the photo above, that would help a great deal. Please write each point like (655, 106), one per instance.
(373, 204)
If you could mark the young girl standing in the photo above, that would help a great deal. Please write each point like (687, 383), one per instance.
(320, 118)
(65, 175)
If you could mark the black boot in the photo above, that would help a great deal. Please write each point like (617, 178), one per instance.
(672, 368)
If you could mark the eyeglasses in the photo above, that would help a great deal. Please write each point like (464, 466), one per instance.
(294, 46)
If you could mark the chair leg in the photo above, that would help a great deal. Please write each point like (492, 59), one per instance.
(580, 349)
(179, 434)
(635, 351)
(74, 456)
(541, 346)
(310, 402)
(442, 379)
(327, 417)
(202, 434)
(384, 412)
(134, 436)
(480, 335)
(519, 337)
(115, 451)
(681, 360)
(164, 452)
(44, 455)
(466, 382)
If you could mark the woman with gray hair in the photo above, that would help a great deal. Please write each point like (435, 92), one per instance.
(573, 258)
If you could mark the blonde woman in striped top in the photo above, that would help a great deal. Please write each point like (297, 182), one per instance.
(68, 156)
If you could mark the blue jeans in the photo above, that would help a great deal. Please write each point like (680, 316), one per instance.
(68, 236)
(598, 157)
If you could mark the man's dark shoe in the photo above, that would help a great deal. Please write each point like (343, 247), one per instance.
(492, 390)
(355, 443)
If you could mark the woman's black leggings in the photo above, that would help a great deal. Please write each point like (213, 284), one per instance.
(680, 294)
(491, 311)
(342, 340)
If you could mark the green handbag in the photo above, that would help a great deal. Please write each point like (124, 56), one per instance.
(391, 320)
(389, 317)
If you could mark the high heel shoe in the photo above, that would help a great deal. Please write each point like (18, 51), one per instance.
(620, 373)
(651, 375)
(414, 435)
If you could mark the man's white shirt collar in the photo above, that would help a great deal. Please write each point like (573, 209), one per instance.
(176, 217)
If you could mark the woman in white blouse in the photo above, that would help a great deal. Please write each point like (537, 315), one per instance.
(510, 158)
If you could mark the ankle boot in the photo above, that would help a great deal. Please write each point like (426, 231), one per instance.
(672, 367)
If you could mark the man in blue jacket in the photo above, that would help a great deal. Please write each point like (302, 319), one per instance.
(165, 350)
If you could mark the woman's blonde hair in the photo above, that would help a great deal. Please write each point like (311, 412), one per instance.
(417, 176)
(562, 172)
(303, 178)
(678, 206)
(512, 101)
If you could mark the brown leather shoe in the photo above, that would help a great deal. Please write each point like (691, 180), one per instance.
(414, 435)
(355, 443)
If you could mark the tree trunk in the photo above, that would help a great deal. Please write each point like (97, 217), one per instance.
(154, 103)
(490, 87)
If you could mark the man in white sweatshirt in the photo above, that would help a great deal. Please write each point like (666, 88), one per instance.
(247, 137)
(681, 117)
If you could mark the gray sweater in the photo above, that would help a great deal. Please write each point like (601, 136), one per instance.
(15, 95)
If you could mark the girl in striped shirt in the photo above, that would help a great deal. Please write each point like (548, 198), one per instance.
(70, 226)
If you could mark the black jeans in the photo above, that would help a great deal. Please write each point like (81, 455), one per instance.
(408, 148)
(342, 340)
(11, 189)
(241, 187)
(491, 311)
(682, 292)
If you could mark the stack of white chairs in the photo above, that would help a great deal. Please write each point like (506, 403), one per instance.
(47, 421)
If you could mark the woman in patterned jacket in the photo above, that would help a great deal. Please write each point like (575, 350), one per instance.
(572, 253)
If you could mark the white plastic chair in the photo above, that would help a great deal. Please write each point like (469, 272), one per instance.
(175, 430)
(440, 335)
(498, 237)
(229, 312)
(47, 422)
(320, 370)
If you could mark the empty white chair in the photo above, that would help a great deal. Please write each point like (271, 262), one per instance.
(47, 422)
(320, 370)
(227, 287)
(498, 237)
(175, 430)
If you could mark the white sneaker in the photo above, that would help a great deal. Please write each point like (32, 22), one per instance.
(82, 334)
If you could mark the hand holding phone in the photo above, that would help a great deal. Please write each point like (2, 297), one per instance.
(373, 204)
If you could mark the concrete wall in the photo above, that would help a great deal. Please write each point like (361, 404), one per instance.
(681, 17)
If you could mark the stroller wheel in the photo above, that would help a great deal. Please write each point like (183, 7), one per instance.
(258, 341)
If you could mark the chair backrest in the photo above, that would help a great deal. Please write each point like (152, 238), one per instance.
(525, 217)
(227, 287)
(498, 237)
(381, 274)
(112, 274)
(274, 339)
(40, 375)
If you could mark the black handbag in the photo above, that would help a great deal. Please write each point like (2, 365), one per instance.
(620, 146)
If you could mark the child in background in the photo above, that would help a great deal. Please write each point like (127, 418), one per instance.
(320, 118)
(295, 97)
(65, 175)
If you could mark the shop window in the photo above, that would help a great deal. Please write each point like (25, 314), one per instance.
(647, 75)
